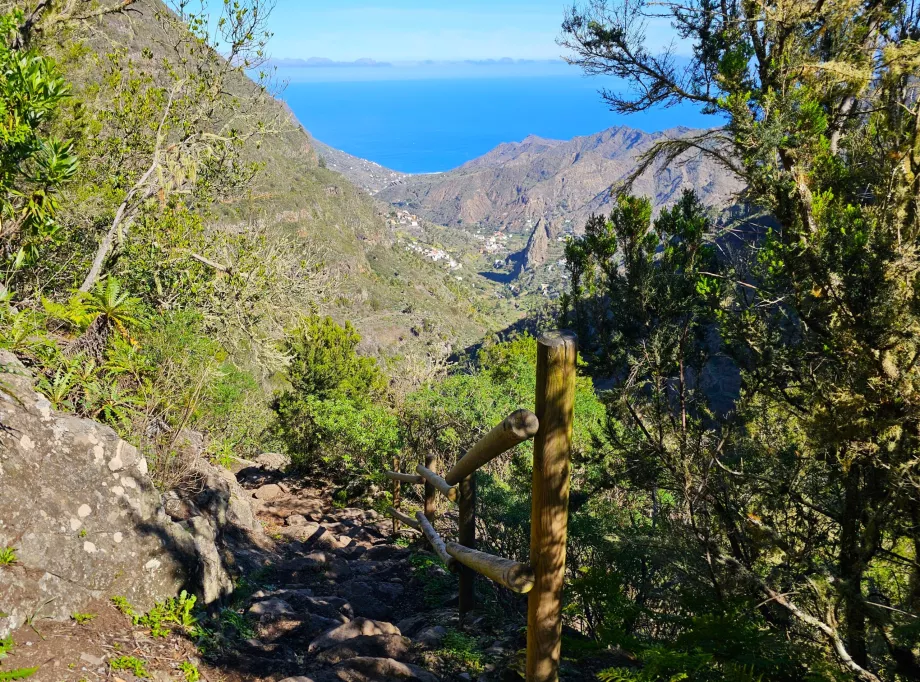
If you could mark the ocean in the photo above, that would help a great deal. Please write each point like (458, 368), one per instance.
(431, 125)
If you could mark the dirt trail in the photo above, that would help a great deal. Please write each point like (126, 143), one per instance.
(336, 600)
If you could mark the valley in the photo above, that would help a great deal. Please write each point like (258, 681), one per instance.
(507, 214)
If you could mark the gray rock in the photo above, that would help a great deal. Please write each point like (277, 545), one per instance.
(87, 523)
(385, 553)
(368, 669)
(80, 511)
(409, 626)
(357, 628)
(325, 540)
(375, 646)
(268, 492)
(389, 591)
(296, 520)
(213, 578)
(300, 532)
(273, 461)
(271, 609)
(432, 635)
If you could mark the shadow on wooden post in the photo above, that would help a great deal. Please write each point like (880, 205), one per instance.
(467, 537)
(431, 493)
(555, 405)
(396, 500)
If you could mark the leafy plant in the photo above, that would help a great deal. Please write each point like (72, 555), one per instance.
(462, 650)
(34, 165)
(7, 556)
(189, 671)
(134, 665)
(18, 674)
(123, 605)
(82, 618)
(333, 408)
(176, 611)
(238, 622)
(6, 646)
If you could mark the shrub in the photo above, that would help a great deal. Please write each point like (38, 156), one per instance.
(333, 410)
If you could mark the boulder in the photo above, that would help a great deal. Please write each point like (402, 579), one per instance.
(409, 626)
(273, 461)
(271, 609)
(301, 532)
(86, 522)
(431, 636)
(78, 508)
(356, 628)
(268, 492)
(369, 669)
(373, 646)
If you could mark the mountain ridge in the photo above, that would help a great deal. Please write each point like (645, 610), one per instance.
(562, 182)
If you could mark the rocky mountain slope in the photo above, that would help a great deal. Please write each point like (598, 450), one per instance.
(368, 175)
(558, 182)
(383, 288)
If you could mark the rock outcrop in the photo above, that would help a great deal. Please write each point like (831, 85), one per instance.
(85, 522)
(537, 249)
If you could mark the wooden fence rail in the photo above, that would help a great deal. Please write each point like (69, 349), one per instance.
(551, 428)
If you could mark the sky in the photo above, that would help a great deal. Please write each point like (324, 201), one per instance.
(414, 30)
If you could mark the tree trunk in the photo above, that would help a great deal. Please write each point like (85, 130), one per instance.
(123, 214)
(851, 566)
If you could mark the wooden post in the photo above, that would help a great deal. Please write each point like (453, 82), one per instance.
(396, 495)
(552, 449)
(467, 537)
(431, 493)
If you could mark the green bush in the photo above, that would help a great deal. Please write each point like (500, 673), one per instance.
(334, 410)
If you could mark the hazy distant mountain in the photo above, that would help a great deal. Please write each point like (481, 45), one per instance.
(517, 185)
(325, 62)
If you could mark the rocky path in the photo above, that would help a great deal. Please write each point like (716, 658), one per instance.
(342, 602)
(326, 595)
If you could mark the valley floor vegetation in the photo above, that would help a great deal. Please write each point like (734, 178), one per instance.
(746, 477)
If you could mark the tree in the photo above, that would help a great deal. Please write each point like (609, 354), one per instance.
(176, 120)
(335, 406)
(34, 163)
(820, 108)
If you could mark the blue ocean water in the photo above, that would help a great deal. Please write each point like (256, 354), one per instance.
(431, 125)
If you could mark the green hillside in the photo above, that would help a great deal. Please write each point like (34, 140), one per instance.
(384, 290)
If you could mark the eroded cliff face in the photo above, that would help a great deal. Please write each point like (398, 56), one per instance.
(561, 182)
(537, 250)
(85, 521)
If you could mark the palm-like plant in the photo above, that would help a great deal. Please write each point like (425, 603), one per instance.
(114, 310)
(59, 388)
(110, 403)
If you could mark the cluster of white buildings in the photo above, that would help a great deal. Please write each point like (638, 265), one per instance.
(403, 218)
(498, 241)
(437, 255)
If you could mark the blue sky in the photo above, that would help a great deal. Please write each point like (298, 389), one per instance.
(409, 30)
